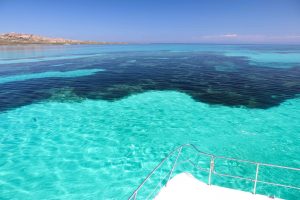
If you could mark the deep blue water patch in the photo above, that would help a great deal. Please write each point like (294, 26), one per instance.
(207, 77)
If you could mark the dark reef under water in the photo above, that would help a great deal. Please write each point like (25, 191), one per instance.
(206, 77)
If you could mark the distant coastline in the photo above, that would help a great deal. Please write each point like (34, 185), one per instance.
(25, 39)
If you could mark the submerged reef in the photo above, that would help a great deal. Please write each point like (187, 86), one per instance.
(207, 77)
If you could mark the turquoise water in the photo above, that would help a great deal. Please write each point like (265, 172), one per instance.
(23, 77)
(266, 54)
(75, 145)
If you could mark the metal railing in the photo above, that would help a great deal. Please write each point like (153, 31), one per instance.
(211, 171)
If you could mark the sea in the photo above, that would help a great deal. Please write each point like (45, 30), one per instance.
(92, 121)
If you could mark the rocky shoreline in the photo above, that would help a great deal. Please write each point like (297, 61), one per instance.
(23, 39)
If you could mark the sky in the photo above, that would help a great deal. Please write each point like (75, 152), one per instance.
(151, 21)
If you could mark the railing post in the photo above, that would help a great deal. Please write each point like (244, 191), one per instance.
(211, 169)
(256, 178)
(133, 196)
(179, 152)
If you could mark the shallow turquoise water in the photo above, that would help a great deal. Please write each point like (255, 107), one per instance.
(80, 148)
(57, 74)
(102, 150)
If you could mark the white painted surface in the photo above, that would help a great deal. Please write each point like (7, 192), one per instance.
(186, 187)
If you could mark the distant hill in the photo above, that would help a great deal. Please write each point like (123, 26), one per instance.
(20, 38)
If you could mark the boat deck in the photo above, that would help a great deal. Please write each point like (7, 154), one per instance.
(186, 186)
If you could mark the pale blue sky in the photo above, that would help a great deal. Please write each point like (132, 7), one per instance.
(216, 21)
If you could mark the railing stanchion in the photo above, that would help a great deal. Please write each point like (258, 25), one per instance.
(134, 196)
(179, 152)
(256, 178)
(211, 169)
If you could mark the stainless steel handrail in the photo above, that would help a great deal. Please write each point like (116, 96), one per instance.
(212, 171)
(134, 194)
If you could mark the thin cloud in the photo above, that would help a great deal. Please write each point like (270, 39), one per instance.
(233, 35)
(230, 35)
